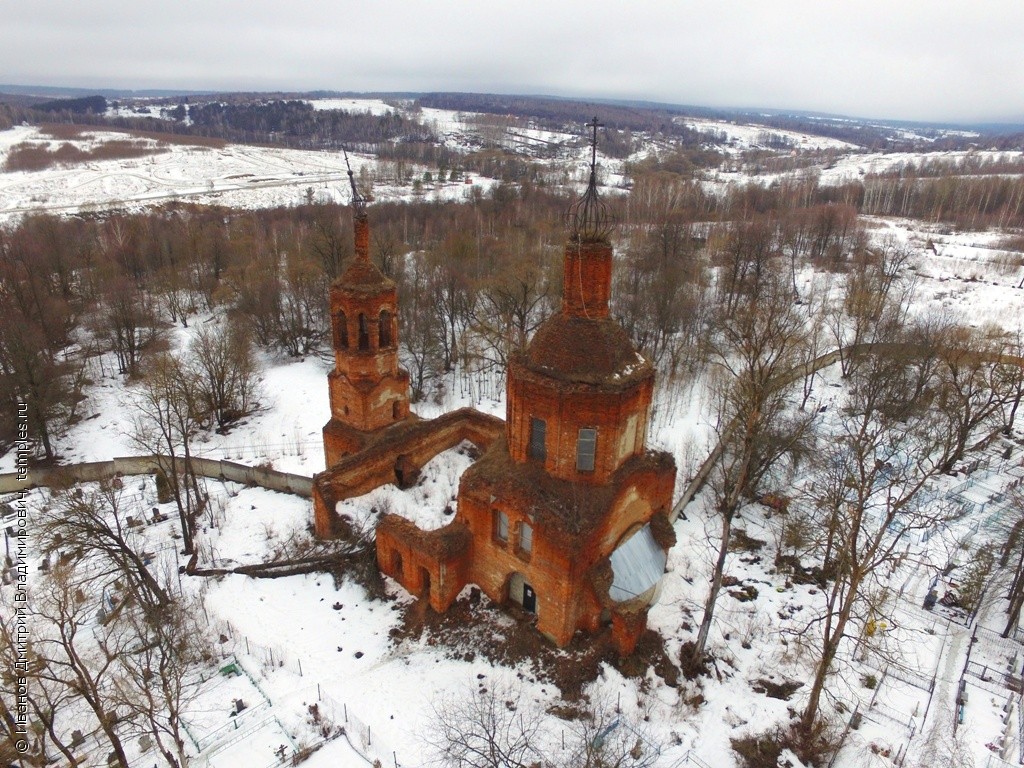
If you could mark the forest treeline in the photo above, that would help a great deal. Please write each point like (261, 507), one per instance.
(474, 279)
(284, 119)
(661, 119)
(281, 122)
(555, 114)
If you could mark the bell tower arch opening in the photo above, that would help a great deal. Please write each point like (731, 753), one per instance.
(384, 330)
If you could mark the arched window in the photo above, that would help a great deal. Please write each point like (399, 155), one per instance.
(384, 330)
(340, 331)
(536, 448)
(525, 538)
(364, 332)
(586, 448)
(500, 526)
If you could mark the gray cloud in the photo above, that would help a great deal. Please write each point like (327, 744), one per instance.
(910, 59)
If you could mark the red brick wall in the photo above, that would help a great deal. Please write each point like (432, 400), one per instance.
(372, 361)
(374, 465)
(368, 404)
(341, 440)
(587, 279)
(566, 408)
(419, 572)
(361, 227)
(548, 570)
(366, 384)
(566, 599)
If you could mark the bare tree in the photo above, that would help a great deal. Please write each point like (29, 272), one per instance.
(161, 677)
(75, 653)
(258, 301)
(794, 240)
(330, 242)
(758, 343)
(94, 524)
(816, 303)
(222, 361)
(420, 346)
(971, 392)
(1013, 549)
(746, 251)
(833, 230)
(660, 291)
(51, 707)
(172, 291)
(450, 279)
(928, 336)
(167, 416)
(489, 728)
(128, 322)
(303, 321)
(33, 380)
(1010, 376)
(100, 638)
(876, 297)
(605, 738)
(511, 305)
(869, 489)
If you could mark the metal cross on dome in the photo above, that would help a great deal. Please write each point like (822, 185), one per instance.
(594, 125)
(588, 218)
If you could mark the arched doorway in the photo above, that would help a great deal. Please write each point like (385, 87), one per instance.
(521, 593)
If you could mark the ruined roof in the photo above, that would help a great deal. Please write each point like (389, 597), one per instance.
(585, 350)
(442, 544)
(565, 512)
(362, 276)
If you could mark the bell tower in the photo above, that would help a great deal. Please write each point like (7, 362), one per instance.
(368, 389)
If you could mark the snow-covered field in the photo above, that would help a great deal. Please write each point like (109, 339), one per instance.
(370, 106)
(255, 177)
(739, 137)
(236, 176)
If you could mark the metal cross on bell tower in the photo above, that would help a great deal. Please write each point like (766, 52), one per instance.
(358, 201)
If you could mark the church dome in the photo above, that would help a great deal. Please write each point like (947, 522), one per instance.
(587, 351)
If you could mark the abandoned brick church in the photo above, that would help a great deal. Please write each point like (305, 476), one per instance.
(565, 514)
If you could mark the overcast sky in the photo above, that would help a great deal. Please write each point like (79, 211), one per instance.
(902, 59)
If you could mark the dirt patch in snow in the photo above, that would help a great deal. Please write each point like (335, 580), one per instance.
(475, 627)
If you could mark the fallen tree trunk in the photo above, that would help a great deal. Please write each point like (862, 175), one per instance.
(280, 568)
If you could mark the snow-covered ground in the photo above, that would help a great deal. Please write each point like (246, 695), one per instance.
(739, 137)
(257, 177)
(235, 176)
(304, 640)
(854, 166)
(371, 106)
